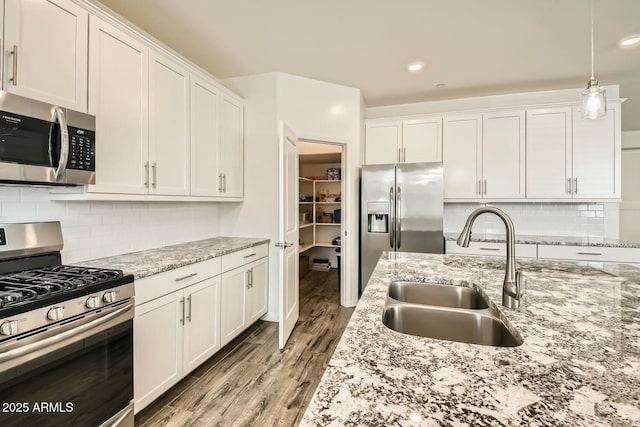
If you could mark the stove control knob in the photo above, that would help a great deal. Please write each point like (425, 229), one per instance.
(92, 302)
(55, 313)
(109, 297)
(10, 327)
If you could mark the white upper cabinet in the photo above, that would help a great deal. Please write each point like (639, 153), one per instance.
(422, 140)
(549, 153)
(231, 152)
(383, 142)
(462, 156)
(118, 97)
(205, 138)
(503, 155)
(597, 155)
(168, 127)
(45, 56)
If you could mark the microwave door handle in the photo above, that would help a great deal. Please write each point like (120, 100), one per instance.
(58, 117)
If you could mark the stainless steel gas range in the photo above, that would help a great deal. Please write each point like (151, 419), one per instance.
(66, 335)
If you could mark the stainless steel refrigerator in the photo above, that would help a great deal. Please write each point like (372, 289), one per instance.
(401, 210)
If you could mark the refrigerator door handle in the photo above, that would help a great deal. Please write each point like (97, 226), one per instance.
(399, 216)
(392, 220)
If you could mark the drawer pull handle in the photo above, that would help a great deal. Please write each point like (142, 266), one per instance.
(188, 276)
(489, 249)
(250, 255)
(589, 253)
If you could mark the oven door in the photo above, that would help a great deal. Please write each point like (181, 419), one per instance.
(77, 374)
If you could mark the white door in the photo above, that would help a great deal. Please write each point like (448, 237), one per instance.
(503, 155)
(595, 154)
(288, 238)
(233, 317)
(462, 157)
(382, 142)
(257, 304)
(422, 140)
(157, 347)
(549, 153)
(48, 44)
(118, 97)
(205, 139)
(168, 126)
(231, 156)
(202, 322)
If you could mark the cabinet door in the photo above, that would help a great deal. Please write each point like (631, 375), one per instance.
(462, 157)
(422, 140)
(383, 142)
(596, 151)
(205, 138)
(48, 39)
(118, 97)
(168, 126)
(233, 287)
(503, 155)
(231, 155)
(202, 322)
(549, 153)
(257, 301)
(157, 347)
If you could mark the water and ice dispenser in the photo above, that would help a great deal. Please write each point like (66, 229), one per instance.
(378, 217)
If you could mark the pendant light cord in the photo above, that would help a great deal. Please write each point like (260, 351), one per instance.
(592, 51)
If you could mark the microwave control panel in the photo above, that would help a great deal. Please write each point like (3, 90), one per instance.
(82, 149)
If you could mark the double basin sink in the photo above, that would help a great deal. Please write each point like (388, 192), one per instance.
(445, 312)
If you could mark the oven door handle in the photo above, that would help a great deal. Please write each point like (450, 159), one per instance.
(55, 339)
(58, 116)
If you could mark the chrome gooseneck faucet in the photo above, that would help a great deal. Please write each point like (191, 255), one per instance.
(512, 290)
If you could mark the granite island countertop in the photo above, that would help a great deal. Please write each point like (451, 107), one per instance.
(603, 242)
(579, 364)
(153, 261)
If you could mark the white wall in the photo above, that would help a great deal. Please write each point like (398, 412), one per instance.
(547, 219)
(97, 229)
(630, 206)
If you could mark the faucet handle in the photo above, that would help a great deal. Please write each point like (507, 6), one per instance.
(520, 284)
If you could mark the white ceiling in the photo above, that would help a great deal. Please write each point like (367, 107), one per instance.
(475, 47)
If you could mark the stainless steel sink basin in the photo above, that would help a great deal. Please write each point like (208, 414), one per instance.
(472, 327)
(440, 295)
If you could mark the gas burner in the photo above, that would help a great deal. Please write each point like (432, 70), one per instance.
(7, 298)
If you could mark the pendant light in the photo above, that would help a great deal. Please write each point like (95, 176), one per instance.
(594, 98)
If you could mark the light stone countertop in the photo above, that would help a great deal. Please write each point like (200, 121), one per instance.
(153, 261)
(548, 240)
(579, 364)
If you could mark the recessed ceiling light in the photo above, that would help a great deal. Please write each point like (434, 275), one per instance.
(415, 66)
(630, 41)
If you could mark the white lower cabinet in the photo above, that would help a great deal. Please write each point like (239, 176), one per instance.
(243, 297)
(185, 315)
(172, 336)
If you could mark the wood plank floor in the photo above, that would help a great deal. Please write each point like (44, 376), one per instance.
(250, 381)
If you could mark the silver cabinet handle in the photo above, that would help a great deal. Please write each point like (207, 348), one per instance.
(567, 186)
(58, 116)
(146, 174)
(220, 183)
(248, 279)
(489, 249)
(590, 253)
(251, 277)
(224, 182)
(404, 155)
(14, 77)
(575, 185)
(250, 255)
(188, 276)
(399, 210)
(392, 221)
(399, 156)
(154, 172)
(189, 308)
(479, 187)
(182, 317)
(484, 190)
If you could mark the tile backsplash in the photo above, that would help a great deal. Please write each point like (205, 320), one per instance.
(97, 229)
(548, 219)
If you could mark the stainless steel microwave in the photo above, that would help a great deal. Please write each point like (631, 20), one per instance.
(45, 144)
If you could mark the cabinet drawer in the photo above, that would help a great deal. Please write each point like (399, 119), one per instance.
(491, 249)
(589, 253)
(155, 286)
(245, 256)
